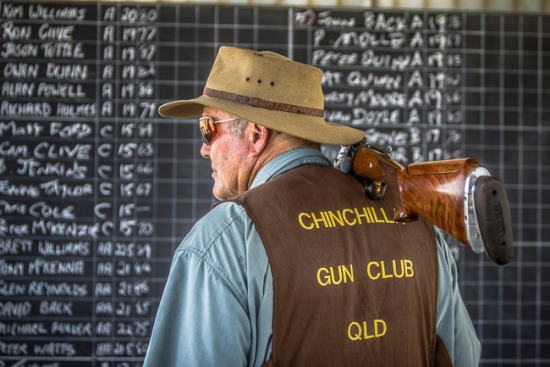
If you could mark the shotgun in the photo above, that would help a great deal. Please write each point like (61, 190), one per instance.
(459, 196)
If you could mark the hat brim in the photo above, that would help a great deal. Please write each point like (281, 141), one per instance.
(310, 128)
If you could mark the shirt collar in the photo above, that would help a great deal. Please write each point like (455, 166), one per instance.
(287, 161)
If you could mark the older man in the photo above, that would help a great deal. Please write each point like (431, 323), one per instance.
(295, 265)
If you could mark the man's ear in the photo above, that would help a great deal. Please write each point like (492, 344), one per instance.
(258, 137)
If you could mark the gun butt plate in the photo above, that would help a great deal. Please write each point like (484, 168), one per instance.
(491, 205)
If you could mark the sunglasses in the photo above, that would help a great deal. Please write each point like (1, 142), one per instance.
(208, 127)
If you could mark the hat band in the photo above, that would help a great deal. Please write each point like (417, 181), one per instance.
(258, 102)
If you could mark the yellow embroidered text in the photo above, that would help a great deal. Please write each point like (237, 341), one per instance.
(397, 269)
(342, 218)
(365, 331)
(332, 276)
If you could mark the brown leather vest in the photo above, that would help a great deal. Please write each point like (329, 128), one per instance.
(351, 287)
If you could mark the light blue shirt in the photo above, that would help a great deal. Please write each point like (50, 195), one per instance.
(217, 305)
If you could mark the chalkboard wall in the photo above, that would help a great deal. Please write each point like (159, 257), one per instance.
(97, 190)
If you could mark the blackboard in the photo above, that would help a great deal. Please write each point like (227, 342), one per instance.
(97, 190)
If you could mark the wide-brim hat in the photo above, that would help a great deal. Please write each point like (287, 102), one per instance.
(270, 90)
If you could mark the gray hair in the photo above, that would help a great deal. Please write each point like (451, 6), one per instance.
(237, 128)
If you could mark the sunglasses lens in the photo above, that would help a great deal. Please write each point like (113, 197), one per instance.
(208, 128)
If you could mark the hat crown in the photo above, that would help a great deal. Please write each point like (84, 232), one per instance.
(266, 75)
(270, 90)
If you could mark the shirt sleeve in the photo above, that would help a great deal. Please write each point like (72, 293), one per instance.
(454, 325)
(203, 316)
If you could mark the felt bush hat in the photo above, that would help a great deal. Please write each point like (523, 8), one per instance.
(270, 90)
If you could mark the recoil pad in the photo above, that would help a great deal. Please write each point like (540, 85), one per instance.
(494, 219)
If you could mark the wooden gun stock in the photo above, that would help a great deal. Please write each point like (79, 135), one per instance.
(458, 196)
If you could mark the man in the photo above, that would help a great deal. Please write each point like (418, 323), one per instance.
(296, 266)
